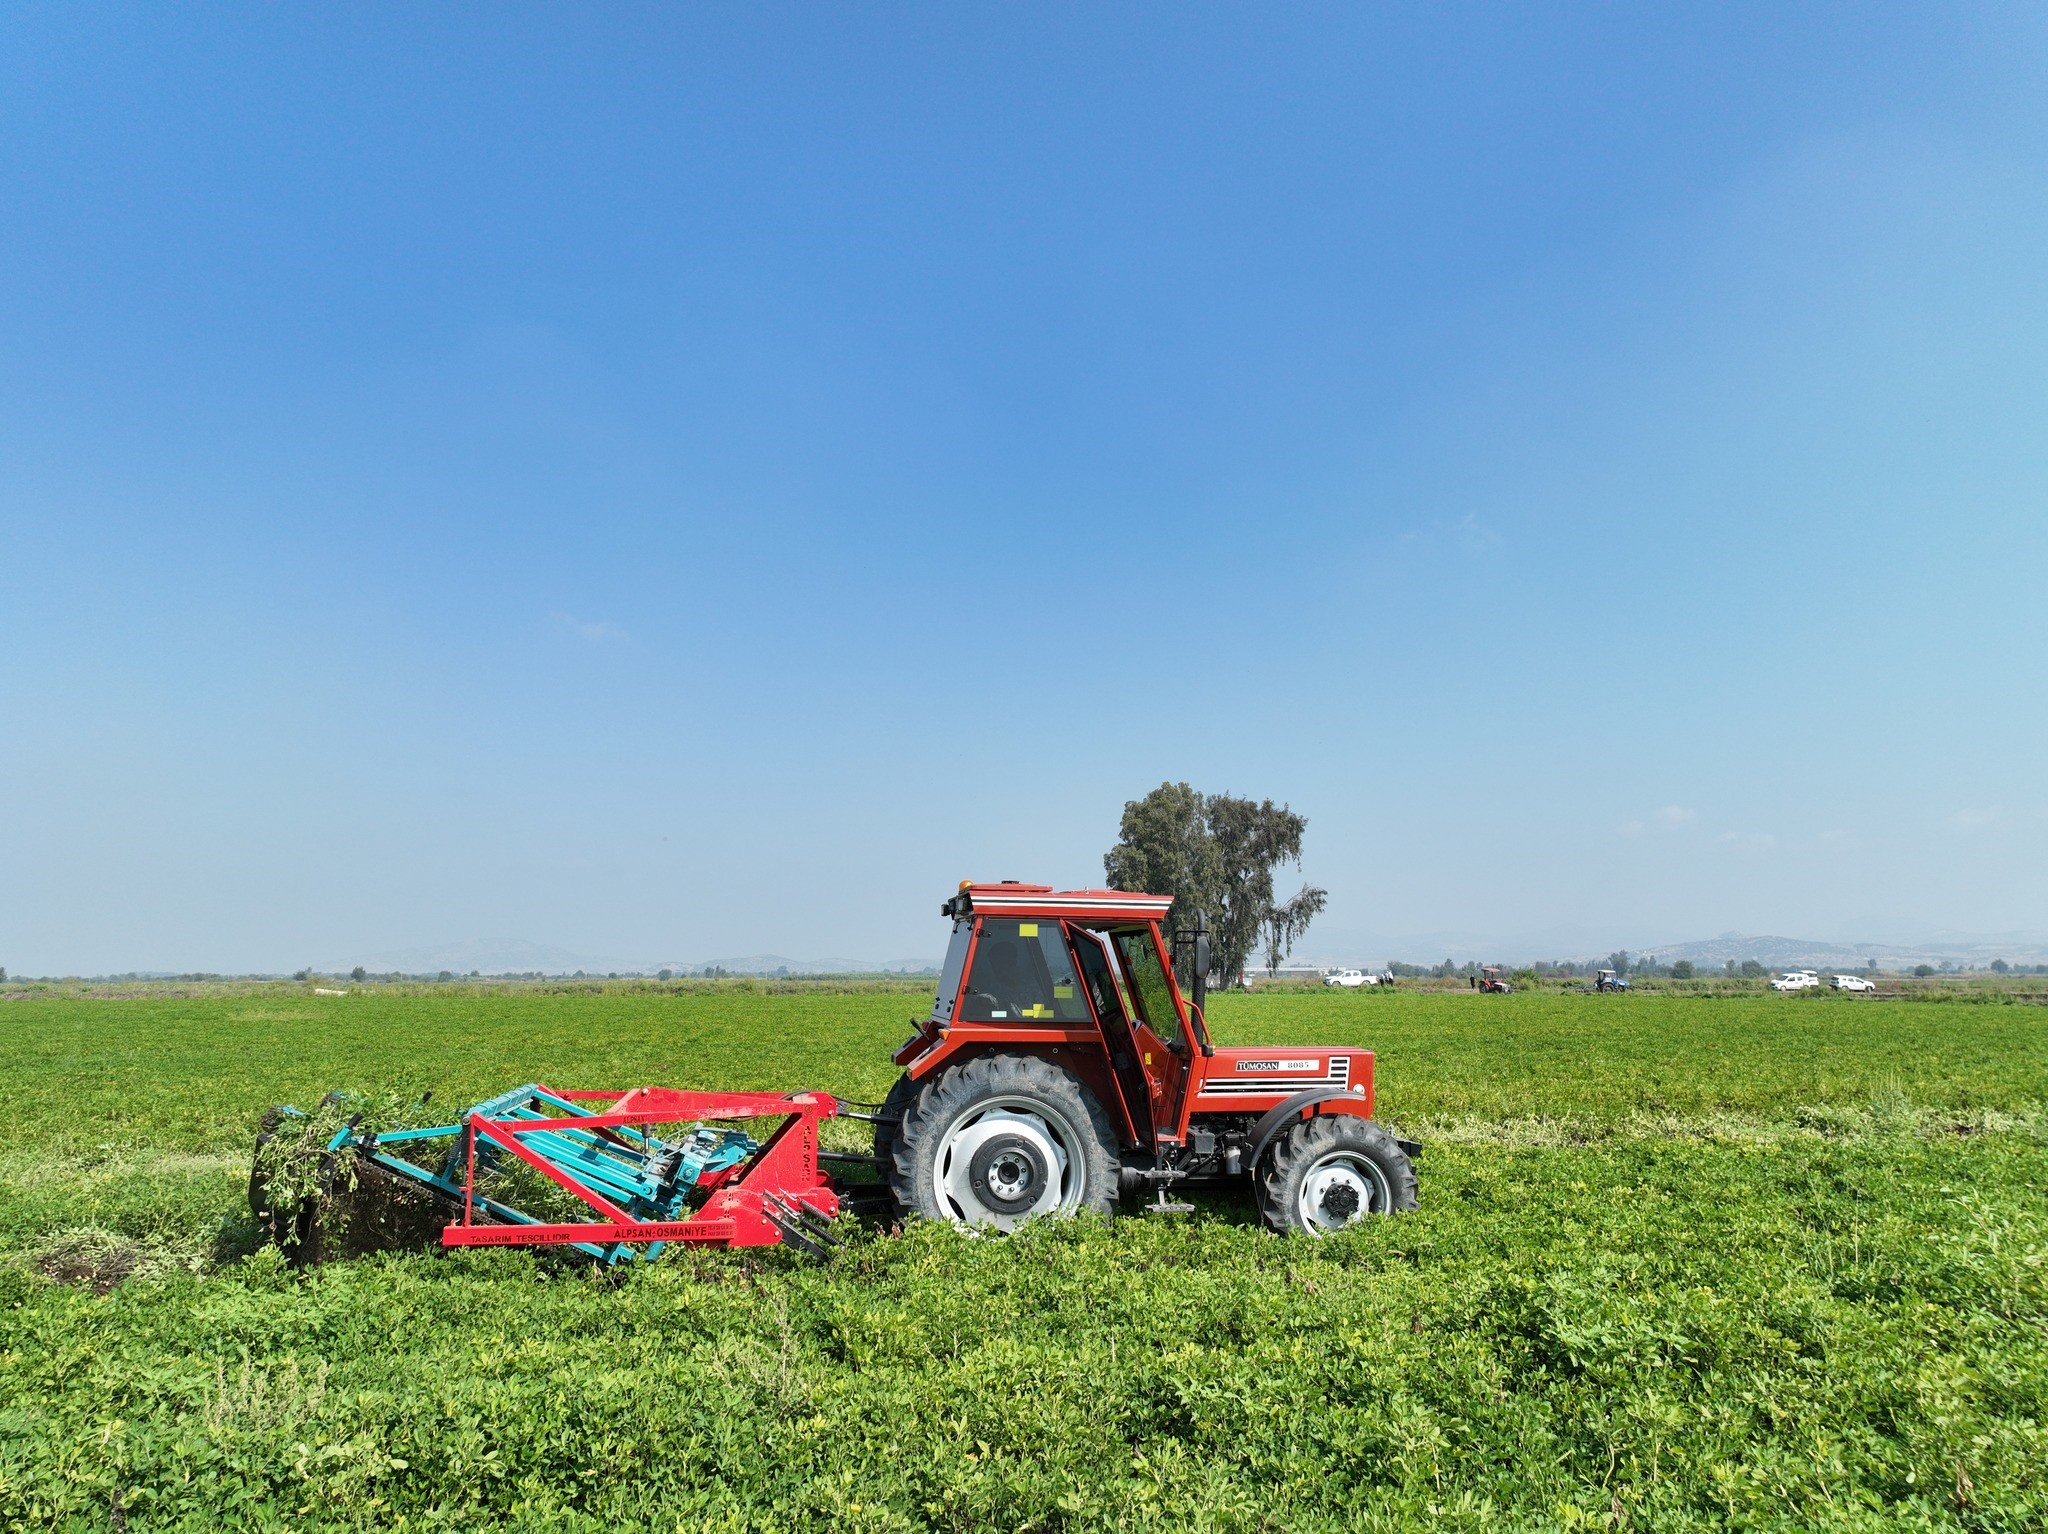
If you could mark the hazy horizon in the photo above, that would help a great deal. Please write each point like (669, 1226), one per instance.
(1322, 950)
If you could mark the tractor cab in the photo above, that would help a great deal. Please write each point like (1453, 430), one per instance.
(1490, 981)
(1084, 975)
(1087, 979)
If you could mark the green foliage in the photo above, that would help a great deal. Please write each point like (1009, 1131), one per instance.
(1682, 1263)
(293, 1164)
(1164, 848)
(1252, 841)
(1216, 855)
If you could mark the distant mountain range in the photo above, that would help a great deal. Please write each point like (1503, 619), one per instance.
(776, 964)
(1965, 951)
(1788, 952)
(519, 957)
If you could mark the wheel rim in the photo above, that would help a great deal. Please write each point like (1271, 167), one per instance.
(1342, 1189)
(1007, 1160)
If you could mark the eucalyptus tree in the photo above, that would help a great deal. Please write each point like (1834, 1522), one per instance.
(1217, 855)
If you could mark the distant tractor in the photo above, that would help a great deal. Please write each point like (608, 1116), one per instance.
(1608, 980)
(1491, 982)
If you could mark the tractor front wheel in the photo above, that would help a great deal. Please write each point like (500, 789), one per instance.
(1332, 1171)
(1000, 1140)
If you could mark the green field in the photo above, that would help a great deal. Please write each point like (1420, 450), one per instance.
(1681, 1263)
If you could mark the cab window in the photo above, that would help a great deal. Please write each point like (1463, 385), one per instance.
(1098, 972)
(949, 977)
(1022, 973)
(1153, 995)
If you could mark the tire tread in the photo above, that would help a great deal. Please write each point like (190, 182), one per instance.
(946, 1095)
(1305, 1143)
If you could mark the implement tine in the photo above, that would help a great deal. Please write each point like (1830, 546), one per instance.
(805, 1213)
(793, 1236)
(867, 1112)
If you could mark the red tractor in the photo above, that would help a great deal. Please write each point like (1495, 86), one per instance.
(1063, 1067)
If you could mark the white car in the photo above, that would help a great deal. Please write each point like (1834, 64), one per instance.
(1796, 980)
(1854, 983)
(1350, 977)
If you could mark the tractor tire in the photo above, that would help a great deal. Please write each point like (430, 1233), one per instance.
(1002, 1139)
(889, 1119)
(1332, 1171)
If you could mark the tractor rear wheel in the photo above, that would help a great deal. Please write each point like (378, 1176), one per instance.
(1332, 1171)
(889, 1118)
(1003, 1139)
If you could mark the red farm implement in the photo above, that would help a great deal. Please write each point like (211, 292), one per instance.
(618, 1175)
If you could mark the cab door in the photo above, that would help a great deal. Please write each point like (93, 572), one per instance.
(1119, 1037)
(1163, 1048)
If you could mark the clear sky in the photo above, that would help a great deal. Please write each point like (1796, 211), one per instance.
(680, 481)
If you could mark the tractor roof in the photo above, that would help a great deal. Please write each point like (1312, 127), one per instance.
(1013, 899)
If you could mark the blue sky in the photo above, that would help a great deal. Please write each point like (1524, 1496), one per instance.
(674, 482)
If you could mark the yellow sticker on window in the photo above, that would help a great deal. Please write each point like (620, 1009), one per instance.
(1037, 1011)
(1027, 929)
(1063, 993)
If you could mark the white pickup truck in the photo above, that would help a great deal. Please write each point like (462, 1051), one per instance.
(1796, 980)
(1350, 977)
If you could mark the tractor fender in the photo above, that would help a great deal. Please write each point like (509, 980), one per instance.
(1308, 1104)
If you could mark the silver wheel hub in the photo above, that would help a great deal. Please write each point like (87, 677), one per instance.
(1340, 1190)
(1004, 1162)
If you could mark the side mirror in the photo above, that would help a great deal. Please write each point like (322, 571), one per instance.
(1201, 968)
